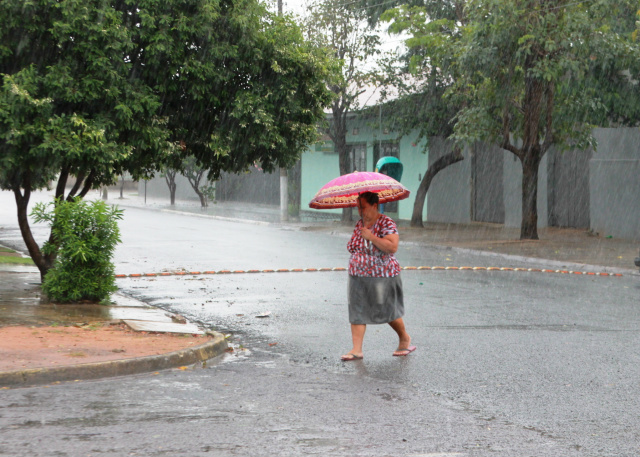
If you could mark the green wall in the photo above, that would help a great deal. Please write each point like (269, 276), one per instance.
(319, 165)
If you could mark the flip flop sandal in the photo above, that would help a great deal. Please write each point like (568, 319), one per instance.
(404, 352)
(350, 357)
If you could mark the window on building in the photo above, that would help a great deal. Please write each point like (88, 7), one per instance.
(357, 157)
(385, 149)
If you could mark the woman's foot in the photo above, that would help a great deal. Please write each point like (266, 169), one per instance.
(404, 346)
(351, 356)
(404, 352)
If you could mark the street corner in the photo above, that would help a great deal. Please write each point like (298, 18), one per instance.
(44, 355)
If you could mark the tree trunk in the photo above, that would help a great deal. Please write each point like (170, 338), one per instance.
(340, 143)
(338, 133)
(76, 186)
(529, 224)
(531, 152)
(203, 199)
(195, 184)
(421, 194)
(172, 193)
(170, 179)
(88, 184)
(43, 262)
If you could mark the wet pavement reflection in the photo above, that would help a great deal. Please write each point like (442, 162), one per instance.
(22, 303)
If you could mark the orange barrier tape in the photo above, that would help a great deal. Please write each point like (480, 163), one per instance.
(299, 270)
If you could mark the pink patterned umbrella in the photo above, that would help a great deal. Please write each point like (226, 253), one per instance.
(342, 192)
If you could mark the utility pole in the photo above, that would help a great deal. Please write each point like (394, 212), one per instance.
(284, 190)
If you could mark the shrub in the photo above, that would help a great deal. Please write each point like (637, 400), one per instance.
(84, 236)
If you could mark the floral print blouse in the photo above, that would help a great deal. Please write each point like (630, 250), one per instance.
(366, 259)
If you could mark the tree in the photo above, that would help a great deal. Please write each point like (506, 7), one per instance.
(423, 83)
(194, 175)
(66, 103)
(340, 28)
(170, 179)
(94, 89)
(533, 78)
(531, 74)
(421, 79)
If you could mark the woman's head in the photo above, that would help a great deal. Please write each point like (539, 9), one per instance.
(368, 204)
(369, 197)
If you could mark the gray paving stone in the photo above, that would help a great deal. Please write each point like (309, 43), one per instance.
(150, 326)
(139, 314)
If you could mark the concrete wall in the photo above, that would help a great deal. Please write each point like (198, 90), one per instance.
(614, 183)
(613, 191)
(318, 165)
(614, 180)
(157, 189)
(449, 197)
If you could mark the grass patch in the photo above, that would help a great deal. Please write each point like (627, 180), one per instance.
(16, 260)
(12, 257)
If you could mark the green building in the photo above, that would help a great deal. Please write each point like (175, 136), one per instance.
(367, 144)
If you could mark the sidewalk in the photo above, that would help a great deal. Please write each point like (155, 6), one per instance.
(43, 343)
(70, 342)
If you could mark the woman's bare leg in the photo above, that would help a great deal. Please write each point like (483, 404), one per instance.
(403, 336)
(357, 336)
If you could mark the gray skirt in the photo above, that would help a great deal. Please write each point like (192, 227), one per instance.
(375, 300)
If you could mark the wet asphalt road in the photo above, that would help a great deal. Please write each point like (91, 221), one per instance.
(508, 363)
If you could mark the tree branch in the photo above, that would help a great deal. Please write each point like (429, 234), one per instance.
(506, 134)
(88, 184)
(436, 167)
(76, 186)
(62, 182)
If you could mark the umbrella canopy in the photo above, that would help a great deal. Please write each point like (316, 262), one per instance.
(342, 192)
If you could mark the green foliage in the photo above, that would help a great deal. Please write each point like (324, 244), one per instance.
(524, 69)
(94, 89)
(85, 235)
(424, 76)
(111, 87)
(67, 101)
(209, 192)
(247, 89)
(545, 72)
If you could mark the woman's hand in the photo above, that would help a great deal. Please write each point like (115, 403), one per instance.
(367, 234)
(388, 244)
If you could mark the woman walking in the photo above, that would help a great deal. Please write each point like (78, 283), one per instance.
(375, 288)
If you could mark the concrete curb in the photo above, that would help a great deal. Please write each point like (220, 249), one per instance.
(39, 376)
